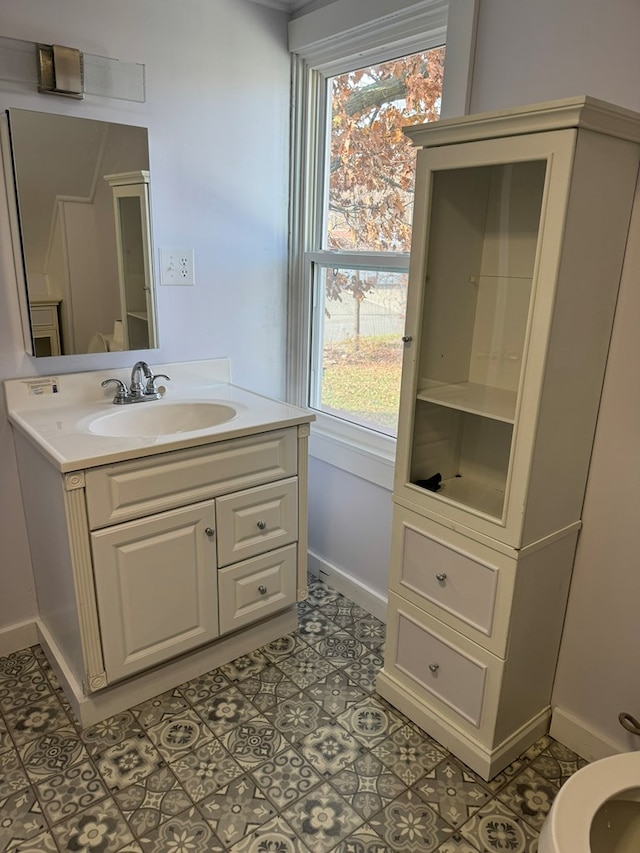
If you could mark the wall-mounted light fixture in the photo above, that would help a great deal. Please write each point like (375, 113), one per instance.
(59, 70)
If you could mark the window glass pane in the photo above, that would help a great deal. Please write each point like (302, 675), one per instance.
(358, 357)
(370, 163)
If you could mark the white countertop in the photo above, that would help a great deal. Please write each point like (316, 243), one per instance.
(54, 412)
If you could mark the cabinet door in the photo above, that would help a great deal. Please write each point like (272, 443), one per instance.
(156, 587)
(483, 268)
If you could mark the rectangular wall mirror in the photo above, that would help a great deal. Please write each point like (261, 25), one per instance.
(84, 229)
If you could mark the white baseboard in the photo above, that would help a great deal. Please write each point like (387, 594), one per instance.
(349, 586)
(17, 637)
(575, 734)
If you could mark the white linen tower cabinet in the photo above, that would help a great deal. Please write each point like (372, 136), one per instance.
(520, 225)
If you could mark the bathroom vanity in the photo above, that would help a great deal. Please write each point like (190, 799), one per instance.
(167, 537)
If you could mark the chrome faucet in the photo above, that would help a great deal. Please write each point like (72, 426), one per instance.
(138, 388)
(143, 385)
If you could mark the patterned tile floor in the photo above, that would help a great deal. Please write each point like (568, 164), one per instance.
(285, 750)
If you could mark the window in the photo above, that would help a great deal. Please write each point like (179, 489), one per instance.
(329, 256)
(358, 269)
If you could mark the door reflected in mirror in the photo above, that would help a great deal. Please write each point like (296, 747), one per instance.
(82, 189)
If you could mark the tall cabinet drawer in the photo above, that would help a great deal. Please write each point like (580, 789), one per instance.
(459, 581)
(256, 520)
(441, 664)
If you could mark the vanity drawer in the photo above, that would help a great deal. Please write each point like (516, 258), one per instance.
(128, 490)
(438, 662)
(256, 520)
(256, 588)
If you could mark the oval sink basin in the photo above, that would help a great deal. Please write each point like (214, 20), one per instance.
(153, 419)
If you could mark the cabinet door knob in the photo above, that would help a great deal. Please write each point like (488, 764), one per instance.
(209, 531)
(262, 589)
(434, 667)
(262, 525)
(406, 339)
(441, 576)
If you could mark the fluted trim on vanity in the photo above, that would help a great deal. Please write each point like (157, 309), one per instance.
(79, 539)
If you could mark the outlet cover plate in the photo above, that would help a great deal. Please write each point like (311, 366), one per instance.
(177, 267)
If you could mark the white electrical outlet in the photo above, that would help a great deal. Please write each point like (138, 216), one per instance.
(176, 267)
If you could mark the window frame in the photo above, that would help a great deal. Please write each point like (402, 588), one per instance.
(362, 451)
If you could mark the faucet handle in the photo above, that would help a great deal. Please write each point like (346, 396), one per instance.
(122, 394)
(151, 382)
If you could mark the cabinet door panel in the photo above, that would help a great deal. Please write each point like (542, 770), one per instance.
(156, 587)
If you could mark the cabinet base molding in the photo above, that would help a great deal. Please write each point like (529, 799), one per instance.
(486, 762)
(112, 700)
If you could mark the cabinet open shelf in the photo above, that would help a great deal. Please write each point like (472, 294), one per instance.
(473, 493)
(485, 400)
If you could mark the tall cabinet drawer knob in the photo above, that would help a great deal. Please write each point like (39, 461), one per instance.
(262, 589)
(262, 525)
(441, 577)
(434, 667)
(210, 531)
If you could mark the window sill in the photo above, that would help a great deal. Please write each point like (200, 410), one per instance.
(367, 454)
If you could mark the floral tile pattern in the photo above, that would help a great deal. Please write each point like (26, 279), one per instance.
(496, 828)
(99, 829)
(237, 809)
(322, 818)
(188, 832)
(286, 777)
(149, 802)
(530, 796)
(64, 794)
(287, 749)
(408, 824)
(453, 792)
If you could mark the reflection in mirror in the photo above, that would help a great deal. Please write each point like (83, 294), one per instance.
(82, 190)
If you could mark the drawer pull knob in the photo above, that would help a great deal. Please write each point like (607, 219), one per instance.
(262, 589)
(441, 576)
(434, 667)
(209, 531)
(262, 525)
(406, 339)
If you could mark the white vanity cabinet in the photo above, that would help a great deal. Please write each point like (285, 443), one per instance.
(520, 226)
(157, 560)
(158, 591)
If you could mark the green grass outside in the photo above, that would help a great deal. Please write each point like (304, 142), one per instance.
(363, 378)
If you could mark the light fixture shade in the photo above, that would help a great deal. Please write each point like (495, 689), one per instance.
(104, 77)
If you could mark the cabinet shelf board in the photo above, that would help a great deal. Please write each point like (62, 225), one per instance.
(496, 403)
(473, 494)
